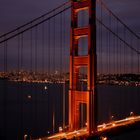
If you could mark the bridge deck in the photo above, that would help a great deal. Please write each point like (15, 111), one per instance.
(102, 129)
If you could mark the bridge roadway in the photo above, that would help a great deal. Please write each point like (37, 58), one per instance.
(102, 129)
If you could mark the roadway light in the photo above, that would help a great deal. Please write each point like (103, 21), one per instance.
(25, 136)
(103, 138)
(104, 125)
(131, 113)
(112, 117)
(29, 96)
(113, 124)
(60, 129)
(45, 87)
(48, 132)
(78, 133)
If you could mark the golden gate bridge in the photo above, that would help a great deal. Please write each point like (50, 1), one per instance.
(71, 59)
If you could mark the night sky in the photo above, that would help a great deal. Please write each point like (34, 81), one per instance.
(14, 13)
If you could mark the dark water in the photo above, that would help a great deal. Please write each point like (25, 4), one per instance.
(31, 109)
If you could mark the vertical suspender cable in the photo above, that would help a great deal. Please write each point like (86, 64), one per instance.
(47, 64)
(109, 46)
(5, 89)
(131, 71)
(99, 50)
(54, 42)
(117, 49)
(107, 39)
(21, 52)
(36, 49)
(31, 49)
(61, 53)
(64, 64)
(31, 80)
(138, 57)
(61, 41)
(36, 73)
(22, 90)
(125, 58)
(120, 56)
(61, 60)
(49, 43)
(120, 71)
(138, 71)
(52, 70)
(6, 57)
(100, 43)
(114, 54)
(18, 88)
(101, 40)
(43, 49)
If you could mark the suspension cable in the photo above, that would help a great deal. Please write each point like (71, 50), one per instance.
(118, 37)
(108, 10)
(30, 22)
(28, 28)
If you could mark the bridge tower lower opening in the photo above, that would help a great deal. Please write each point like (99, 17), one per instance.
(79, 98)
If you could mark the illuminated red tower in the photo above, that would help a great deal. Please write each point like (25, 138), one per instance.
(88, 97)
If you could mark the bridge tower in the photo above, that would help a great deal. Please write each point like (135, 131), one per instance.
(88, 97)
